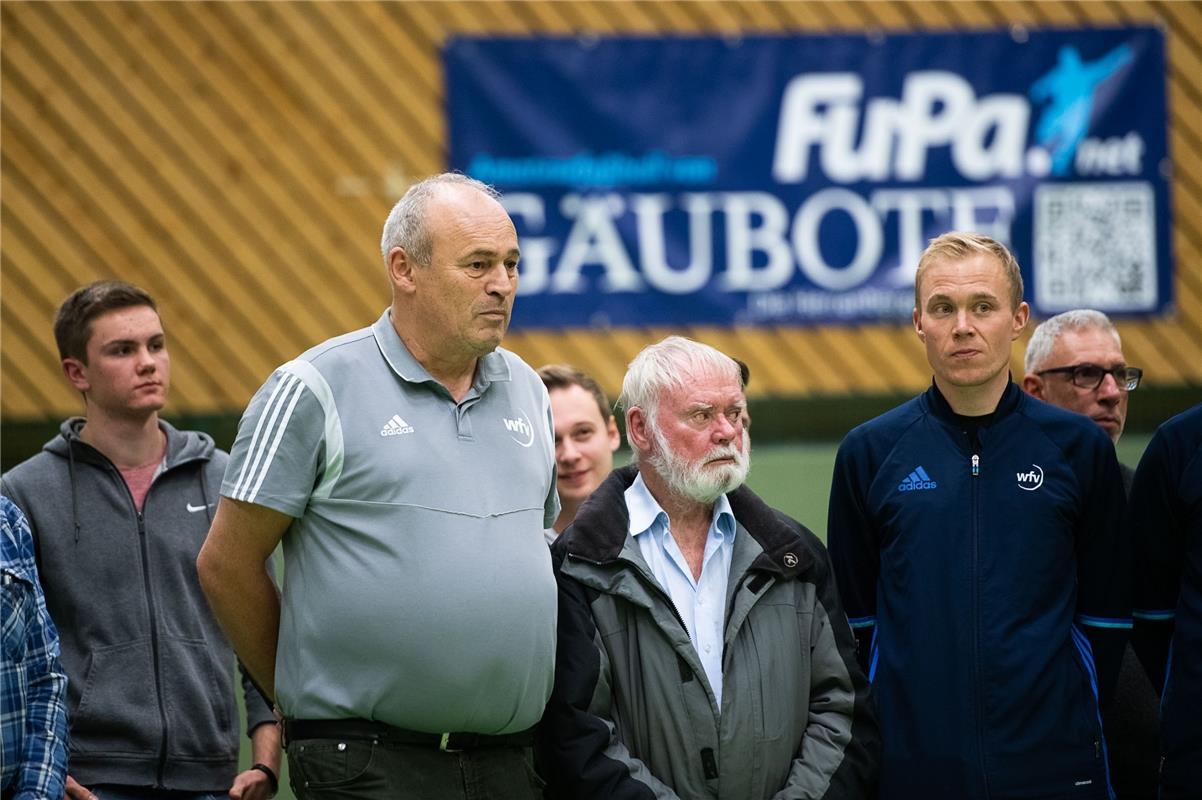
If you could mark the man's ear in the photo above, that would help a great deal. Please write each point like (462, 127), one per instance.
(638, 432)
(400, 270)
(77, 374)
(611, 432)
(1033, 385)
(916, 318)
(1021, 315)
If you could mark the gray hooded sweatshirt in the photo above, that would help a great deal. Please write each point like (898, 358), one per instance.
(150, 694)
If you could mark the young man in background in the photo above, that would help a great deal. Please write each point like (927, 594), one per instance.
(119, 504)
(586, 437)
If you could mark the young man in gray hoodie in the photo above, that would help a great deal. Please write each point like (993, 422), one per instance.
(119, 504)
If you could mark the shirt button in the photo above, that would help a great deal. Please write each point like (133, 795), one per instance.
(707, 648)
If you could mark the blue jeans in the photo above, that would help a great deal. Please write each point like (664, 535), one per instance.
(350, 769)
(115, 792)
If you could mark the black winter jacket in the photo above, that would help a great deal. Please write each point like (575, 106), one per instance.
(1166, 519)
(632, 714)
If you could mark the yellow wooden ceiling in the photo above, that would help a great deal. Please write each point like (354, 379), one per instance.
(237, 160)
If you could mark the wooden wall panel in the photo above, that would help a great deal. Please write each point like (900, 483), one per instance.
(238, 159)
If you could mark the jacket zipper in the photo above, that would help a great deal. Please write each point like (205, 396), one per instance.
(680, 619)
(154, 645)
(144, 546)
(975, 444)
(151, 610)
(655, 587)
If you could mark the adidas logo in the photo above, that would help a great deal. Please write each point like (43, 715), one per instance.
(917, 480)
(396, 426)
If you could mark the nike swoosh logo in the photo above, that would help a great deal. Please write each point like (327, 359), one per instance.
(193, 509)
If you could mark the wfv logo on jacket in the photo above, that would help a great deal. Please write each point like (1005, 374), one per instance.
(1030, 481)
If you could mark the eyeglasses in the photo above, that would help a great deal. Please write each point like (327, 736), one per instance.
(1090, 376)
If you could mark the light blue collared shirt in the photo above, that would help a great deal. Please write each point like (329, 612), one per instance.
(701, 603)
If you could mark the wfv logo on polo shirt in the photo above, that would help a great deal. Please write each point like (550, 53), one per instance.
(396, 426)
(520, 429)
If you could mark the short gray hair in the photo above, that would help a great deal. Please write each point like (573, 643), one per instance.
(669, 365)
(1044, 339)
(407, 226)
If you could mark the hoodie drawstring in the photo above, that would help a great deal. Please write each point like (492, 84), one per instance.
(74, 488)
(204, 494)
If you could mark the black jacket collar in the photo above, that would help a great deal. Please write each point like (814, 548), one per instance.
(602, 527)
(938, 405)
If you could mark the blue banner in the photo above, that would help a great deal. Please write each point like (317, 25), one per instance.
(796, 179)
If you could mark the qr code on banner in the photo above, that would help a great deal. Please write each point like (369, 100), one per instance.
(1095, 247)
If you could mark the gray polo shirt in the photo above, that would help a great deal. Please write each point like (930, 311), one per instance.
(417, 583)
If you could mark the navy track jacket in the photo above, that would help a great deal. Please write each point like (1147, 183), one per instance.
(1166, 520)
(985, 575)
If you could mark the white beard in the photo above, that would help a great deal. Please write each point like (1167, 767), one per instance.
(697, 480)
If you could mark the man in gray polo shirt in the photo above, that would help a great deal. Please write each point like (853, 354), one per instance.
(408, 469)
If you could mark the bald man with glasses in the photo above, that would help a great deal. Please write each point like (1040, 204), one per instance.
(1075, 360)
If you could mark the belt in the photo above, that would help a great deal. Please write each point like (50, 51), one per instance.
(297, 729)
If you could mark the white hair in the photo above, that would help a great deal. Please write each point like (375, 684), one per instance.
(407, 226)
(1044, 339)
(670, 365)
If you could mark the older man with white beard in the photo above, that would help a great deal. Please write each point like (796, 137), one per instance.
(702, 649)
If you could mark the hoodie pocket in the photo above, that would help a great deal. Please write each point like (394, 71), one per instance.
(199, 704)
(117, 711)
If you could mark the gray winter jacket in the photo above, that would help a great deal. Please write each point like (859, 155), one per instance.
(632, 714)
(150, 694)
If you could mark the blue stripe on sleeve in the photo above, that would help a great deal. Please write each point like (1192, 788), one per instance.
(876, 653)
(1081, 641)
(1104, 622)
